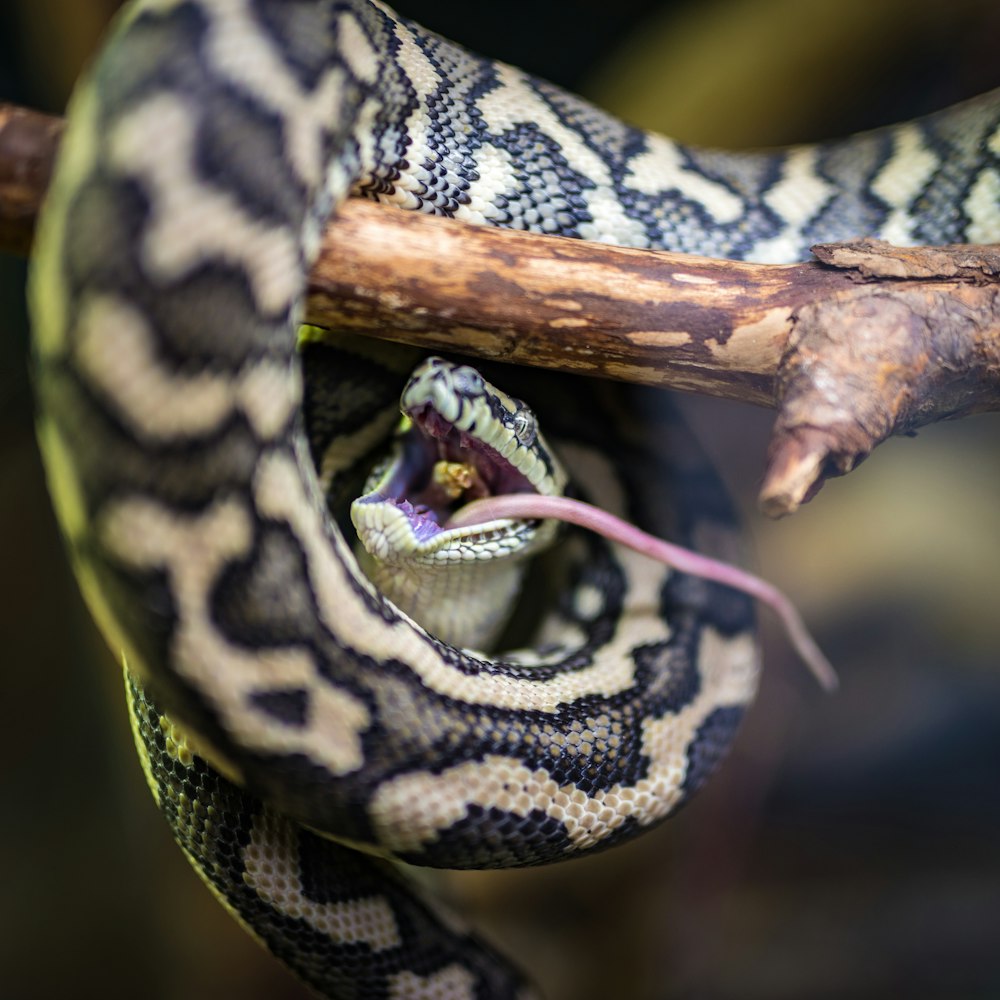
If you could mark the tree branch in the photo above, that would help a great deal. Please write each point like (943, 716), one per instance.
(867, 341)
(28, 144)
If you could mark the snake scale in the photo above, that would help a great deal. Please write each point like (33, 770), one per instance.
(206, 148)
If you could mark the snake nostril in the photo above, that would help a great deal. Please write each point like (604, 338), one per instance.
(467, 380)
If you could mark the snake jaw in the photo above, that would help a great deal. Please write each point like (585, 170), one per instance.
(460, 440)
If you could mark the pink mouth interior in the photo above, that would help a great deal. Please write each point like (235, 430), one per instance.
(412, 488)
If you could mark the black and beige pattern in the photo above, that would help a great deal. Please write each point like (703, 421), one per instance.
(205, 150)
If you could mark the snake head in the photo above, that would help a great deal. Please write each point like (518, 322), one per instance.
(460, 439)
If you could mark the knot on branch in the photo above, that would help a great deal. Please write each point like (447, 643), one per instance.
(880, 358)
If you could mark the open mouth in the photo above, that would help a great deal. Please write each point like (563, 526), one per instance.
(438, 468)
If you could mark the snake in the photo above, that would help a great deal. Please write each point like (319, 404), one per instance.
(305, 736)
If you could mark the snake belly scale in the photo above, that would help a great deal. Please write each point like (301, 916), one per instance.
(205, 150)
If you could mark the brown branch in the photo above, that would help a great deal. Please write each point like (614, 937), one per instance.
(866, 342)
(28, 144)
(712, 326)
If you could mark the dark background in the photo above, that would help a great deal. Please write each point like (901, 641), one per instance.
(849, 845)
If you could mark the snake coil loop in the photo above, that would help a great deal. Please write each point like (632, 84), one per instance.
(205, 150)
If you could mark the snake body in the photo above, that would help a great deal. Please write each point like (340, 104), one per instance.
(205, 150)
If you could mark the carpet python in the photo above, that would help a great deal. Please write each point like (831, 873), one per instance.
(205, 149)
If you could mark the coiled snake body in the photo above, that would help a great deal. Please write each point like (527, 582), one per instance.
(205, 150)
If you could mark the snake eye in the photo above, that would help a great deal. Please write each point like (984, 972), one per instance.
(525, 427)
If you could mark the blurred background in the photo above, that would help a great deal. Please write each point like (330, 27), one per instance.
(848, 847)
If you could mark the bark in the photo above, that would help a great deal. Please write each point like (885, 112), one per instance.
(915, 341)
